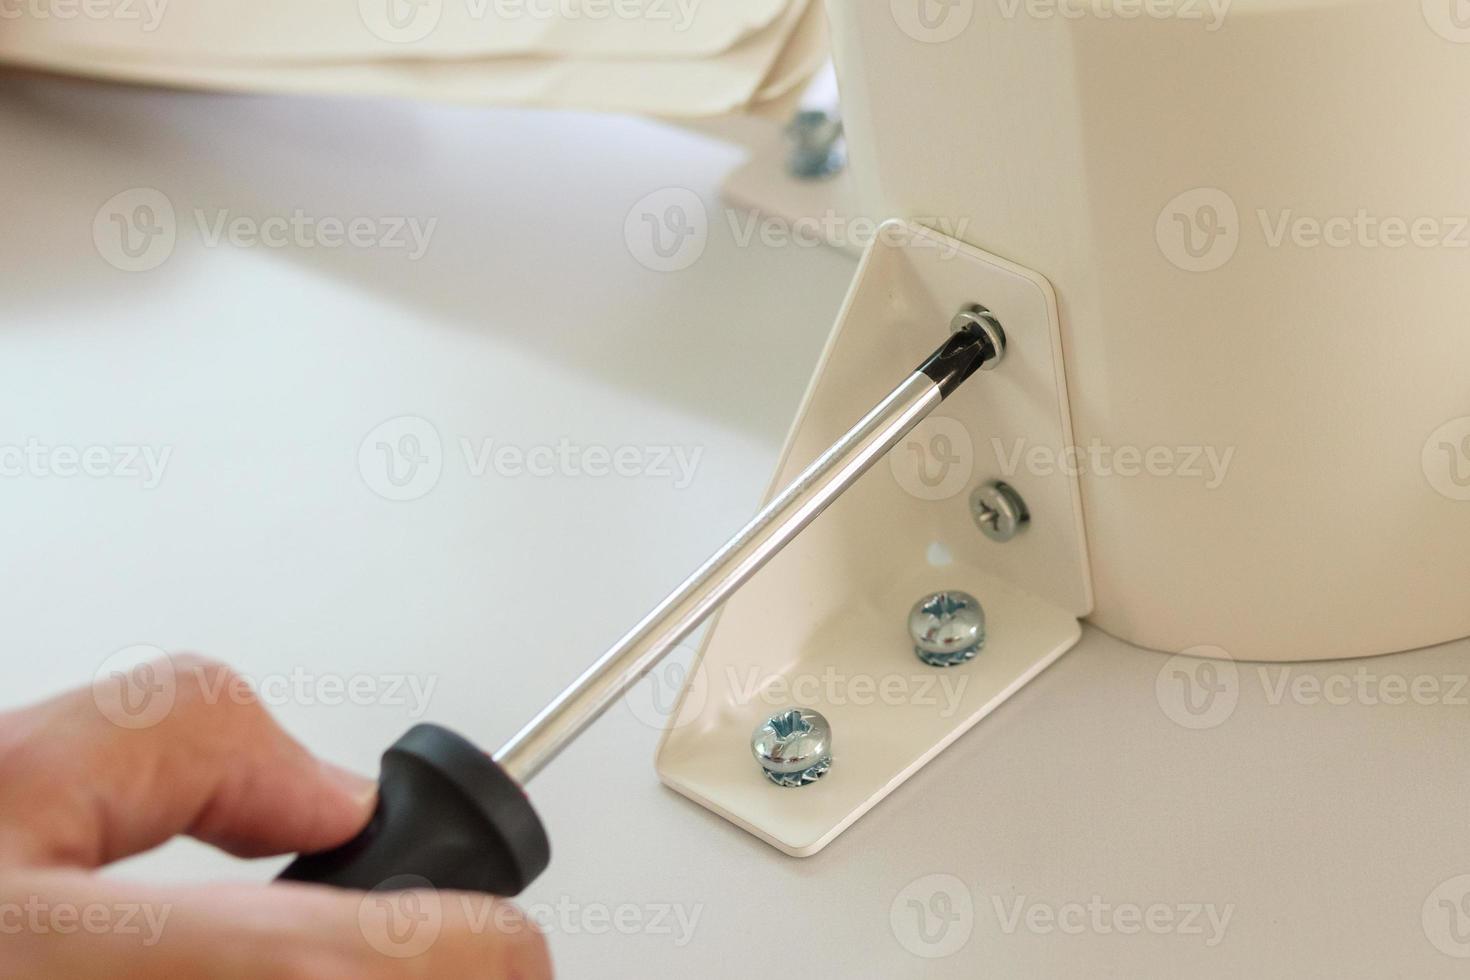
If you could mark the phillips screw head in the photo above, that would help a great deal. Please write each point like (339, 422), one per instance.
(794, 747)
(948, 628)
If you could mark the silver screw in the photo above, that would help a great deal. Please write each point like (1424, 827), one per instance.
(999, 511)
(793, 747)
(948, 628)
(817, 147)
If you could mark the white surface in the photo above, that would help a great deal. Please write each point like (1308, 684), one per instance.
(1325, 827)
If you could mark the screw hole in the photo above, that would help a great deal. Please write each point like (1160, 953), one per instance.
(939, 556)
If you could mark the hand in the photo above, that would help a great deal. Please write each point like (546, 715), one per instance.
(78, 792)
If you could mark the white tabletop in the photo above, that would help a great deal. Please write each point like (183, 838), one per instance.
(1079, 831)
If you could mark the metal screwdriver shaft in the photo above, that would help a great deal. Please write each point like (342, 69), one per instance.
(977, 343)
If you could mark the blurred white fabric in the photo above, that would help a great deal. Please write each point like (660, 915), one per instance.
(672, 58)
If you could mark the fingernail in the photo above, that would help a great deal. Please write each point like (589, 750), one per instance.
(364, 791)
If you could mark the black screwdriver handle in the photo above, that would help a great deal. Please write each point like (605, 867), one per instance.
(447, 815)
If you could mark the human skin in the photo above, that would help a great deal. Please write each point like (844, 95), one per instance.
(78, 792)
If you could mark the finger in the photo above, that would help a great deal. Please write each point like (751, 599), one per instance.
(78, 788)
(58, 923)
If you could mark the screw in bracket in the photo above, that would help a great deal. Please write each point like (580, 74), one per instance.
(948, 628)
(999, 511)
(818, 150)
(794, 747)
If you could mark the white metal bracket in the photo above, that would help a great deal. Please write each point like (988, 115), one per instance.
(823, 626)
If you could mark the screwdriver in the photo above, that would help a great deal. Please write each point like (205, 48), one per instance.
(451, 817)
